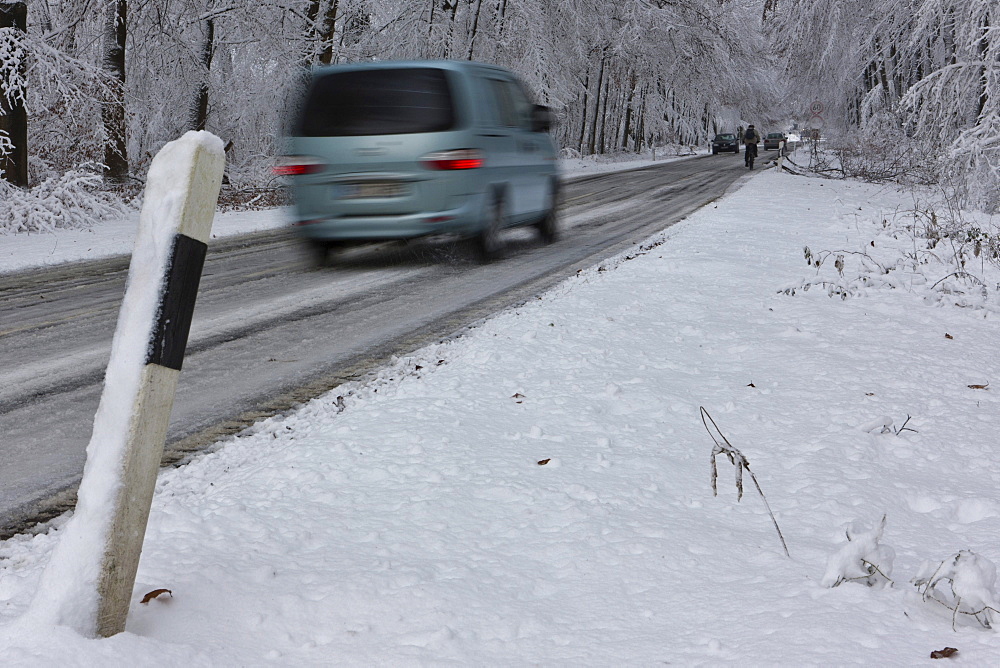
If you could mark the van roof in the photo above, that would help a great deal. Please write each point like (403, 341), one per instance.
(457, 65)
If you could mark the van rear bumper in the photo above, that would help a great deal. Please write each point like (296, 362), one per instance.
(464, 220)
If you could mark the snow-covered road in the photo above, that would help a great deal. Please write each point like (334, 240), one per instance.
(269, 333)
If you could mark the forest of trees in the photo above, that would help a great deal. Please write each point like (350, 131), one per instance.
(104, 83)
(922, 75)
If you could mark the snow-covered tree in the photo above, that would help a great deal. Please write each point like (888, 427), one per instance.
(110, 81)
(925, 69)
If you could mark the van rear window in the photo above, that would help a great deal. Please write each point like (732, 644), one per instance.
(378, 102)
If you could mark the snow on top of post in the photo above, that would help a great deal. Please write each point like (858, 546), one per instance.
(167, 197)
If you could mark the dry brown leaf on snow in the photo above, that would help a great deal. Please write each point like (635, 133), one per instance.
(979, 387)
(944, 653)
(153, 594)
(543, 462)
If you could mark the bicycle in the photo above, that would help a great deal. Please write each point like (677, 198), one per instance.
(750, 153)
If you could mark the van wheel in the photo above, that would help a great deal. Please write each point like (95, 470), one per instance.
(323, 253)
(548, 227)
(319, 253)
(488, 243)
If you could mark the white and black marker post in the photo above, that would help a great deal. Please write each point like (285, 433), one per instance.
(88, 583)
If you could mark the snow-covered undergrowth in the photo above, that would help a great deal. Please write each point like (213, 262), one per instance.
(970, 589)
(943, 256)
(861, 559)
(75, 199)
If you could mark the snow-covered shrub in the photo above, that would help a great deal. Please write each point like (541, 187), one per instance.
(862, 559)
(940, 253)
(71, 200)
(964, 583)
(881, 153)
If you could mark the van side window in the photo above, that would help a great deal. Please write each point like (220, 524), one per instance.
(513, 108)
(490, 107)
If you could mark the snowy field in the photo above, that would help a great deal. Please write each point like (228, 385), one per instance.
(538, 492)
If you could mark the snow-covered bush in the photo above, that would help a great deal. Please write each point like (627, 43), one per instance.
(881, 152)
(964, 583)
(74, 199)
(862, 559)
(940, 253)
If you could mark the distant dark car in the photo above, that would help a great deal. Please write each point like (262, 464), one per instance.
(774, 139)
(725, 142)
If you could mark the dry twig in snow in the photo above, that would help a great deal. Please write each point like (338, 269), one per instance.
(723, 446)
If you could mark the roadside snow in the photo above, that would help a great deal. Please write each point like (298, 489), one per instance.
(538, 491)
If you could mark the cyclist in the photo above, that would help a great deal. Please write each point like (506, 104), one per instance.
(751, 138)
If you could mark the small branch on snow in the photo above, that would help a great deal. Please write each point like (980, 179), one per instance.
(723, 446)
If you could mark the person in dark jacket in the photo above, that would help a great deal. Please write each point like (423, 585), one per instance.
(750, 138)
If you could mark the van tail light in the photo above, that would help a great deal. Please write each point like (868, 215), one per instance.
(298, 165)
(463, 158)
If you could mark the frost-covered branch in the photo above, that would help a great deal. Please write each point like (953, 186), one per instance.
(13, 85)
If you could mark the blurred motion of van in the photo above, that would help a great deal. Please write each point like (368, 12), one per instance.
(399, 150)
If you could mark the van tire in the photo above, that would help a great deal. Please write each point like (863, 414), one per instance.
(488, 243)
(548, 225)
(319, 254)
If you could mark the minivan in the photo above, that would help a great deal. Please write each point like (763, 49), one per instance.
(406, 149)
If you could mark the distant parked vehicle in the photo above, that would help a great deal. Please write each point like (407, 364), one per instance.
(773, 140)
(399, 150)
(725, 142)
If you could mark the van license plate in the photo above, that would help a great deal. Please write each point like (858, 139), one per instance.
(372, 190)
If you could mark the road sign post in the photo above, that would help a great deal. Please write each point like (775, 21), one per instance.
(88, 582)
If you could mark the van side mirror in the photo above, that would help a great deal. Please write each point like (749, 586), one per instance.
(541, 118)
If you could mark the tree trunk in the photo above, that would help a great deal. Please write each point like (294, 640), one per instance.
(199, 113)
(113, 108)
(475, 29)
(327, 31)
(583, 112)
(500, 11)
(602, 144)
(640, 135)
(451, 29)
(628, 112)
(597, 109)
(13, 116)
